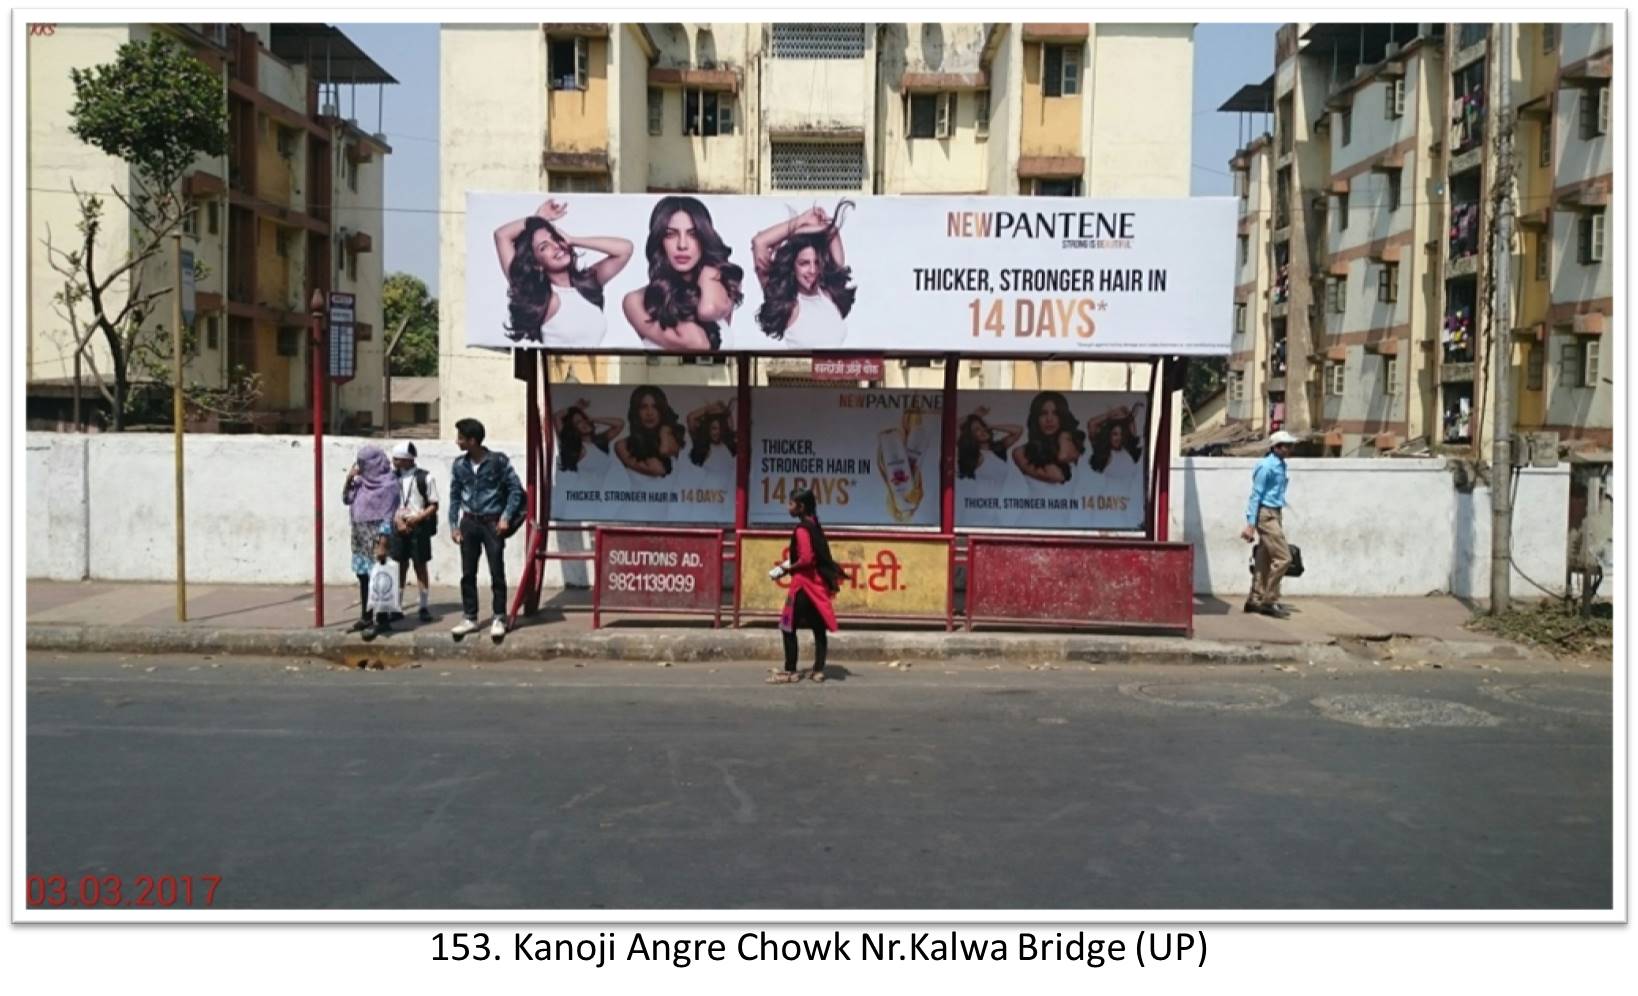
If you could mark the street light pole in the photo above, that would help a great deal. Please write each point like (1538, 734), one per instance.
(316, 305)
(1501, 336)
(176, 421)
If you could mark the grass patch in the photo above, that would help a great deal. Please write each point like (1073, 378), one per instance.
(1554, 624)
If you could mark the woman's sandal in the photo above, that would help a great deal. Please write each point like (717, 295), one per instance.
(784, 677)
(816, 675)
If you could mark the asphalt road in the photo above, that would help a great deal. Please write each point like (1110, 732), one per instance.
(303, 785)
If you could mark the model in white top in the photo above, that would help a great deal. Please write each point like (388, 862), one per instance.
(1114, 480)
(982, 468)
(550, 299)
(807, 286)
(707, 466)
(583, 457)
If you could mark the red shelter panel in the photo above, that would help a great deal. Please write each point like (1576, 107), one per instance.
(1121, 583)
(668, 571)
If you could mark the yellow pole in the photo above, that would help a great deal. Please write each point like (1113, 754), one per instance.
(176, 419)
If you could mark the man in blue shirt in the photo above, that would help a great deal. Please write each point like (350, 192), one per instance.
(485, 501)
(1267, 501)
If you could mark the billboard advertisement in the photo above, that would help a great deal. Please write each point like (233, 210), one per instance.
(1051, 459)
(870, 457)
(704, 274)
(644, 453)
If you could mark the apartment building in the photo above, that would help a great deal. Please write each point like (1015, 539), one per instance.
(1387, 179)
(825, 109)
(295, 205)
(1252, 167)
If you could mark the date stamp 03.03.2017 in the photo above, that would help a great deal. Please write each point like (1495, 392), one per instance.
(122, 892)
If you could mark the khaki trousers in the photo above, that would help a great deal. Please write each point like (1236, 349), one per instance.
(1273, 558)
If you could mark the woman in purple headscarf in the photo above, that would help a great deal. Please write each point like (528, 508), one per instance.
(371, 492)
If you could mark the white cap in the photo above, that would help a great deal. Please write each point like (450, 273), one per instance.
(404, 451)
(1275, 440)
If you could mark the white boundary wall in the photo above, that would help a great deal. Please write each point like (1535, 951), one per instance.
(100, 508)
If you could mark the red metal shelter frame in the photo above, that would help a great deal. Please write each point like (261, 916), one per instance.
(1120, 554)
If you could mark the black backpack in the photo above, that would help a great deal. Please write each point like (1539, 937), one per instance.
(421, 486)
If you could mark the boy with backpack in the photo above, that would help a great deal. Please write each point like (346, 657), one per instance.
(415, 522)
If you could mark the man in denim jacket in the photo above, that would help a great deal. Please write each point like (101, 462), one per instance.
(485, 500)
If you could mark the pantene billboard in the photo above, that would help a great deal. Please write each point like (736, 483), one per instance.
(680, 273)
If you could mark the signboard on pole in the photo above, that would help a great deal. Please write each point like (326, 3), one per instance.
(847, 368)
(189, 299)
(343, 361)
(1081, 277)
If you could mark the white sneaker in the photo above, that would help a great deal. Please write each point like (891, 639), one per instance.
(464, 627)
(497, 629)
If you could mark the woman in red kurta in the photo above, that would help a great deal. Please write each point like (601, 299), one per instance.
(814, 577)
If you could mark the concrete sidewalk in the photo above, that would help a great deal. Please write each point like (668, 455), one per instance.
(264, 619)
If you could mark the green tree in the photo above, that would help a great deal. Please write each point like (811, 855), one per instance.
(157, 108)
(405, 300)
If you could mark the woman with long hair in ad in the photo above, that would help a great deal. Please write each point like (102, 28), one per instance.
(807, 285)
(815, 577)
(981, 465)
(1054, 442)
(1116, 485)
(583, 442)
(549, 297)
(712, 454)
(656, 436)
(692, 288)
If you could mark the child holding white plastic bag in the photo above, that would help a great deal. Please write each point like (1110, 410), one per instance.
(383, 590)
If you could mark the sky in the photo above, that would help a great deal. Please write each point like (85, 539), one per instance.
(1226, 56)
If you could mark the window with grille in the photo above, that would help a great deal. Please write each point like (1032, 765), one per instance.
(1394, 187)
(213, 332)
(566, 62)
(1390, 377)
(577, 183)
(213, 217)
(1342, 212)
(656, 110)
(1544, 255)
(1245, 249)
(1337, 291)
(1237, 385)
(1336, 378)
(817, 41)
(289, 340)
(1594, 111)
(1395, 99)
(1549, 38)
(1061, 70)
(1387, 282)
(817, 166)
(1589, 363)
(931, 114)
(1590, 237)
(190, 222)
(352, 266)
(981, 114)
(1569, 365)
(1068, 187)
(707, 112)
(1346, 125)
(1545, 149)
(1535, 367)
(1242, 184)
(1239, 318)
